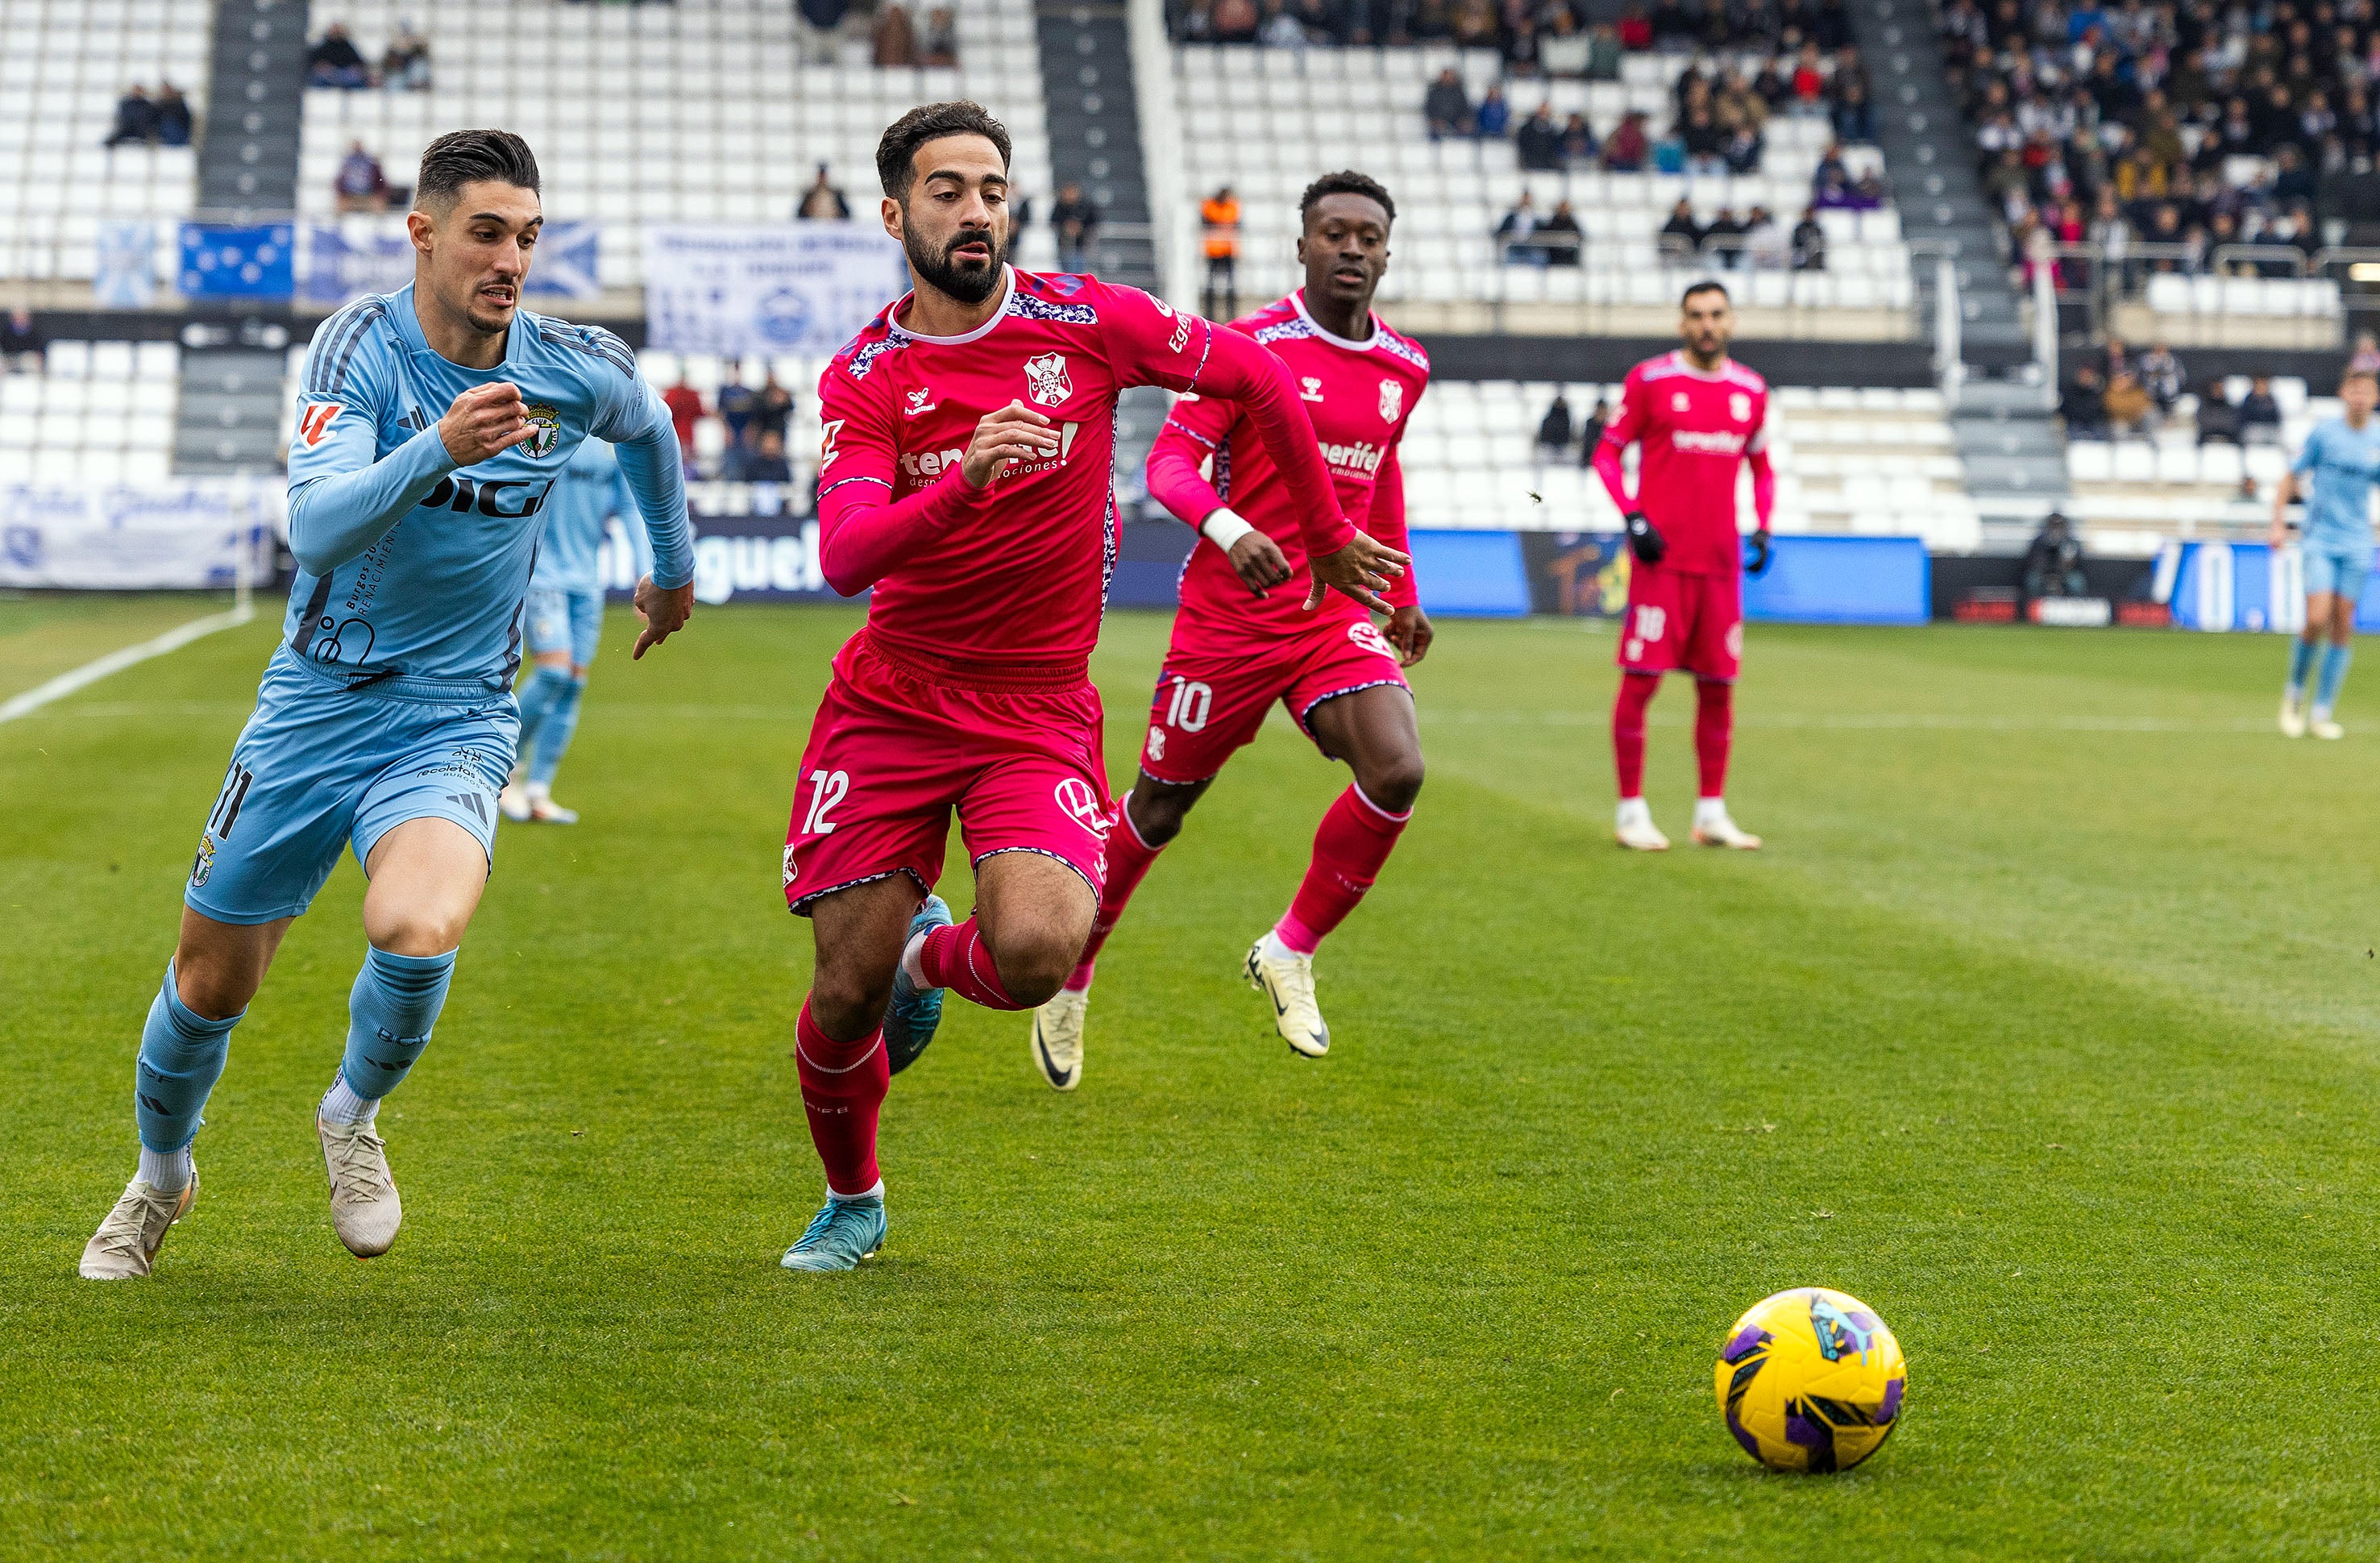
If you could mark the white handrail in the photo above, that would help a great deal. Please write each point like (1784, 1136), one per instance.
(1160, 152)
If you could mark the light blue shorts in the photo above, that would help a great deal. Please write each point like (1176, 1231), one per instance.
(321, 766)
(2339, 573)
(566, 621)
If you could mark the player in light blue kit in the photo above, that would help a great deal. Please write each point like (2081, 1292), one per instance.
(566, 621)
(431, 424)
(2343, 454)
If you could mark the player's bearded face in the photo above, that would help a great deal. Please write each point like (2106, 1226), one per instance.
(965, 264)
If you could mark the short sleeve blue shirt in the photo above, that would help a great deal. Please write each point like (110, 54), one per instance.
(2344, 463)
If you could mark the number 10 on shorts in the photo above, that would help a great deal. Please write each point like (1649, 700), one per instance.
(827, 788)
(1187, 710)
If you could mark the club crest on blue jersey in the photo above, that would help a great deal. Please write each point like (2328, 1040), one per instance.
(202, 865)
(547, 426)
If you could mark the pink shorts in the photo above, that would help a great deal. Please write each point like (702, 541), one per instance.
(1694, 622)
(1212, 695)
(896, 748)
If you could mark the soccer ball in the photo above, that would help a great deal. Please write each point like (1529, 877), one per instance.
(1811, 1380)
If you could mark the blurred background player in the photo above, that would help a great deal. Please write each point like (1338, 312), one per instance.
(385, 719)
(564, 622)
(2343, 454)
(1694, 415)
(985, 526)
(1239, 644)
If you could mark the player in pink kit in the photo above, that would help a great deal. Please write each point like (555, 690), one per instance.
(1239, 643)
(1694, 414)
(965, 476)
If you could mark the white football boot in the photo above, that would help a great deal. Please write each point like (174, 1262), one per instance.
(2293, 722)
(1057, 1038)
(1713, 828)
(364, 1206)
(513, 801)
(1633, 828)
(127, 1242)
(1287, 978)
(2321, 723)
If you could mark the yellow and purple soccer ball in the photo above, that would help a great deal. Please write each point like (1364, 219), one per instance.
(1811, 1380)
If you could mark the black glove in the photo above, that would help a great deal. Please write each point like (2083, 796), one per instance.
(1643, 541)
(1756, 553)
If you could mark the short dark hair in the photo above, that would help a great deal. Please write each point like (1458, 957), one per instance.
(1345, 182)
(462, 157)
(1705, 285)
(896, 154)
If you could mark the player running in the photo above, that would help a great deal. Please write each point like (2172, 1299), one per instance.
(1693, 414)
(1239, 644)
(565, 623)
(2343, 454)
(431, 422)
(965, 475)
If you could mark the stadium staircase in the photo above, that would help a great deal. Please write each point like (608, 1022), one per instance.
(1093, 112)
(231, 389)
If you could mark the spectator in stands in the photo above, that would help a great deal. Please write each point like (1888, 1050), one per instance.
(1578, 144)
(21, 341)
(1561, 237)
(360, 184)
(1590, 433)
(1766, 242)
(2084, 404)
(1725, 238)
(2218, 420)
(2053, 565)
(1076, 221)
(1628, 148)
(1521, 56)
(1603, 53)
(333, 61)
(941, 49)
(136, 118)
(1219, 218)
(762, 461)
(894, 40)
(824, 14)
(1236, 21)
(1854, 121)
(1473, 24)
(1705, 143)
(1681, 238)
(2131, 409)
(1538, 142)
(1809, 242)
(823, 202)
(174, 124)
(2260, 415)
(1554, 431)
(2365, 358)
(1635, 29)
(775, 412)
(2161, 376)
(1808, 82)
(1448, 108)
(685, 408)
(1494, 115)
(738, 404)
(1518, 231)
(405, 65)
(1282, 29)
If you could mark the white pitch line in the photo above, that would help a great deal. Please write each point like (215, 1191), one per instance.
(65, 684)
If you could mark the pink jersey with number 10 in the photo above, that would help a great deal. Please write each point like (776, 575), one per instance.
(1696, 429)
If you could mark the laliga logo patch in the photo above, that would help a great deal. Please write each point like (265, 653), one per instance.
(1369, 638)
(1739, 406)
(827, 432)
(547, 424)
(1735, 642)
(1047, 376)
(314, 423)
(1157, 743)
(204, 863)
(1392, 400)
(1075, 795)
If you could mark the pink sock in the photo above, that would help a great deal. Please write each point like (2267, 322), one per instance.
(1636, 692)
(1128, 861)
(842, 1085)
(955, 958)
(1714, 733)
(1353, 840)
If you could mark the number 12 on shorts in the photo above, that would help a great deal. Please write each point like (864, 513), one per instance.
(827, 788)
(1187, 712)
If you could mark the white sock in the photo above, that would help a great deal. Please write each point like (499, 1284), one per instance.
(877, 1193)
(340, 1104)
(1273, 950)
(1633, 811)
(1709, 811)
(168, 1172)
(913, 961)
(2320, 714)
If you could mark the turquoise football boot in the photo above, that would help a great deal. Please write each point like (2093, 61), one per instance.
(843, 1233)
(909, 1023)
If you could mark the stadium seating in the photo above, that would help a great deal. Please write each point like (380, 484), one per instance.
(2129, 495)
(97, 412)
(1327, 108)
(63, 66)
(730, 120)
(2232, 311)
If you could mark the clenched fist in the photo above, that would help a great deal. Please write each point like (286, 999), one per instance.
(1016, 432)
(485, 420)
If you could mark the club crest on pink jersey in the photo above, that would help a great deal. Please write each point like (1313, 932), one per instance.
(1739, 406)
(1047, 376)
(1392, 400)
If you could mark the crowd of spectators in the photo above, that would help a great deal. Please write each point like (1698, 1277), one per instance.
(1536, 37)
(335, 61)
(145, 119)
(2117, 391)
(1559, 436)
(754, 419)
(898, 43)
(2185, 126)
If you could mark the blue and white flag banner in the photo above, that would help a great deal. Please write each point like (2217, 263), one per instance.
(237, 260)
(342, 262)
(194, 532)
(746, 291)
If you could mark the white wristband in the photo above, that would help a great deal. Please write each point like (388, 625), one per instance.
(1224, 528)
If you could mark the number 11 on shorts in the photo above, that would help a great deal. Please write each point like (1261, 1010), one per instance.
(827, 788)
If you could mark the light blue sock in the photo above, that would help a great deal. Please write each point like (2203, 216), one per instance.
(389, 1012)
(2334, 673)
(182, 1056)
(537, 698)
(2301, 663)
(554, 734)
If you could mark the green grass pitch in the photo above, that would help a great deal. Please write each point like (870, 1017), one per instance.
(2045, 1025)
